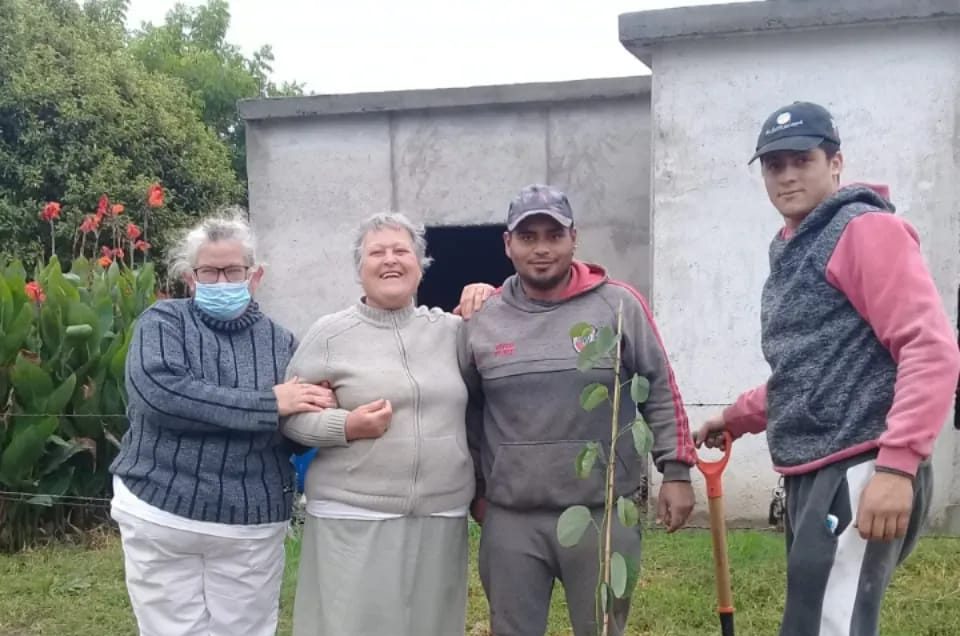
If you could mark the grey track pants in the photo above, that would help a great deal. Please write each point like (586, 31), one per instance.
(520, 559)
(835, 579)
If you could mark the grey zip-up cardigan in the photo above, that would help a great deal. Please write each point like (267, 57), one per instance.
(421, 465)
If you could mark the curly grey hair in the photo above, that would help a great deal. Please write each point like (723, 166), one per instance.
(397, 221)
(230, 224)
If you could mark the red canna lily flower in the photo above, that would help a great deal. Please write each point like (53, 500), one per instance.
(143, 246)
(133, 232)
(155, 195)
(106, 252)
(90, 223)
(103, 205)
(51, 211)
(117, 209)
(117, 253)
(105, 261)
(34, 292)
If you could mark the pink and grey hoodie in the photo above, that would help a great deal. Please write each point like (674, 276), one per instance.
(517, 354)
(862, 354)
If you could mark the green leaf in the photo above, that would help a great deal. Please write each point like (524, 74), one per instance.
(113, 274)
(57, 483)
(6, 306)
(633, 575)
(13, 339)
(642, 436)
(581, 329)
(146, 281)
(586, 458)
(593, 395)
(15, 275)
(80, 267)
(627, 512)
(41, 500)
(103, 307)
(572, 524)
(618, 574)
(54, 458)
(119, 359)
(25, 449)
(604, 593)
(58, 288)
(80, 314)
(639, 389)
(31, 384)
(606, 340)
(59, 399)
(588, 357)
(79, 332)
(51, 327)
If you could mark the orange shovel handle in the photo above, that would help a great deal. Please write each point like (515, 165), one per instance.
(713, 471)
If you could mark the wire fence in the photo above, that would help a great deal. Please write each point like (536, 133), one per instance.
(299, 511)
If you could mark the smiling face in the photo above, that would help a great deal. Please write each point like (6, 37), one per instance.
(798, 181)
(389, 268)
(541, 251)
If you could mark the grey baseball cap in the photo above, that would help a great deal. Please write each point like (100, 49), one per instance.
(539, 199)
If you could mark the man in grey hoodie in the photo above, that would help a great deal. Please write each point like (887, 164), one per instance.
(521, 363)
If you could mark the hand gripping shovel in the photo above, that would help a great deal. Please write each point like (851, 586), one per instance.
(713, 473)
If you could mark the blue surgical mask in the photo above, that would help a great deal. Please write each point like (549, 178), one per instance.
(223, 301)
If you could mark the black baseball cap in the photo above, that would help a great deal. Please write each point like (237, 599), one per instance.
(539, 199)
(799, 126)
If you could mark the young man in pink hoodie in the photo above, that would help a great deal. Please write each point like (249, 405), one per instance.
(864, 366)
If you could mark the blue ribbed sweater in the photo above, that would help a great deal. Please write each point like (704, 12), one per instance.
(204, 441)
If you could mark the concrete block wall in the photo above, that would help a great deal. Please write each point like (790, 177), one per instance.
(318, 165)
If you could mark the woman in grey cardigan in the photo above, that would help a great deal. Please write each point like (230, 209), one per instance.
(203, 483)
(385, 540)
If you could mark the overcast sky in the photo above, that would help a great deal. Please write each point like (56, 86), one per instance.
(343, 46)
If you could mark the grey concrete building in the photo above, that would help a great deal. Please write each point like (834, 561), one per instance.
(450, 159)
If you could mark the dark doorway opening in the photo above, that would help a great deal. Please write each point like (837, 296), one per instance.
(462, 255)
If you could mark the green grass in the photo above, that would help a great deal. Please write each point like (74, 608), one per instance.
(79, 591)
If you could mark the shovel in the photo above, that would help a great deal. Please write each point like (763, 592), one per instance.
(713, 473)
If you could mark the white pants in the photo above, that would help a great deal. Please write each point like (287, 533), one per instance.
(189, 584)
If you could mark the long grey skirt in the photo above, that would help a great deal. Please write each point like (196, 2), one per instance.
(396, 577)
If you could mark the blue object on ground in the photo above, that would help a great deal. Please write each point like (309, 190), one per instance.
(300, 465)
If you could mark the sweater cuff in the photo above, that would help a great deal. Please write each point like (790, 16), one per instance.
(676, 471)
(267, 401)
(899, 460)
(335, 433)
(735, 423)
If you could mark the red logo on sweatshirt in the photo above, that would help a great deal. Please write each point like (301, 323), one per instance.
(504, 349)
(580, 342)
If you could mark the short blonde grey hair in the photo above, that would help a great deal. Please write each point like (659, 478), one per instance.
(397, 221)
(229, 224)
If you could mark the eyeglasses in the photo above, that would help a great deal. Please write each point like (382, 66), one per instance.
(232, 274)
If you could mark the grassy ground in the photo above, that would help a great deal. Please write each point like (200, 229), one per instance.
(77, 591)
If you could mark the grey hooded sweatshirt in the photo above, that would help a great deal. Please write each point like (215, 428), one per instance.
(521, 363)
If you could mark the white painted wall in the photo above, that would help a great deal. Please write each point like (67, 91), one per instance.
(894, 92)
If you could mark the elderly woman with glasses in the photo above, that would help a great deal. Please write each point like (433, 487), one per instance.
(385, 540)
(203, 484)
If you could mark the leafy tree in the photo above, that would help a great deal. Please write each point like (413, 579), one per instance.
(191, 45)
(80, 116)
